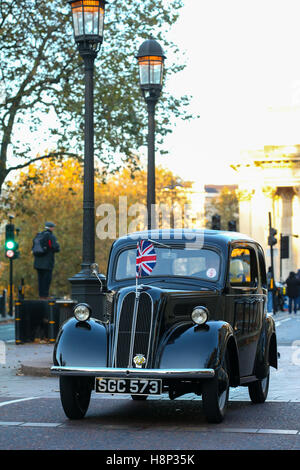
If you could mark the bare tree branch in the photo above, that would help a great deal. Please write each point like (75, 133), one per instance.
(42, 157)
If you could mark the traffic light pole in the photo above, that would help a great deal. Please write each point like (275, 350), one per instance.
(10, 287)
(11, 252)
(280, 258)
(272, 267)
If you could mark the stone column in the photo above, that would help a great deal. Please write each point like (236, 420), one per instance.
(295, 241)
(245, 211)
(286, 195)
(267, 205)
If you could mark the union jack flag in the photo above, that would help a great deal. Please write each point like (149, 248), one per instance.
(145, 258)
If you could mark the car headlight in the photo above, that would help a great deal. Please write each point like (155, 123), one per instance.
(82, 312)
(200, 315)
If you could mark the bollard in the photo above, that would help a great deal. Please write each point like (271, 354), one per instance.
(51, 323)
(2, 313)
(17, 322)
(21, 290)
(3, 304)
(65, 310)
(5, 301)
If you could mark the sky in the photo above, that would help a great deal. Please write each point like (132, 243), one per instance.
(243, 72)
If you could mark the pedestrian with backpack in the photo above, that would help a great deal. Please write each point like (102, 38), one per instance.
(44, 247)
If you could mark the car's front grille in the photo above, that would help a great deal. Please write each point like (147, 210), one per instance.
(133, 335)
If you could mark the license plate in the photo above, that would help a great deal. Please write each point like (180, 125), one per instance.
(129, 386)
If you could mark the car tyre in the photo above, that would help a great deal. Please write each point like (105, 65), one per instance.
(258, 390)
(215, 394)
(75, 394)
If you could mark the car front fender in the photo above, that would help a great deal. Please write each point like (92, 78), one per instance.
(81, 344)
(200, 347)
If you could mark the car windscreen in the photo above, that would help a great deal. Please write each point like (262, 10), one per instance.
(201, 264)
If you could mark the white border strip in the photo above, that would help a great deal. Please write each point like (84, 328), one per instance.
(4, 403)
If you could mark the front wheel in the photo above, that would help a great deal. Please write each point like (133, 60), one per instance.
(75, 394)
(258, 391)
(215, 394)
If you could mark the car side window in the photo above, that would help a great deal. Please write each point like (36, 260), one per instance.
(243, 267)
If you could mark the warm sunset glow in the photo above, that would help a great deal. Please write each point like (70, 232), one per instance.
(88, 17)
(151, 59)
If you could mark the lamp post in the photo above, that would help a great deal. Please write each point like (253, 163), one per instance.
(151, 62)
(88, 24)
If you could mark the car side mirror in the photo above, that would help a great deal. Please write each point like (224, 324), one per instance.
(95, 270)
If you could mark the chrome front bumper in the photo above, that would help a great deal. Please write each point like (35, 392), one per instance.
(148, 373)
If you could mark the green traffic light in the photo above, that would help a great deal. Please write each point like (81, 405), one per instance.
(10, 245)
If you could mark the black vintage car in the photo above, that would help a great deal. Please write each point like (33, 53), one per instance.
(185, 313)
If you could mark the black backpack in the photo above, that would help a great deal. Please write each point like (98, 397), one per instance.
(40, 244)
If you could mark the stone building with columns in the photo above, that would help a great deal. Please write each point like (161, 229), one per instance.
(269, 181)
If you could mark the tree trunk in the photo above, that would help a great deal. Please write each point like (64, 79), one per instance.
(3, 174)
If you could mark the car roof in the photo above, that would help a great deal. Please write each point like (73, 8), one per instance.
(177, 236)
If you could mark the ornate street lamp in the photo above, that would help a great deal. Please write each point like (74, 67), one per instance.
(151, 63)
(88, 24)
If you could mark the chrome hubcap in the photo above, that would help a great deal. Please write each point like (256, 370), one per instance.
(223, 390)
(222, 399)
(264, 384)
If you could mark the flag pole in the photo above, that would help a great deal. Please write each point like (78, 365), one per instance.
(136, 272)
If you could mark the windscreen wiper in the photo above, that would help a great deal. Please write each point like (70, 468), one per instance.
(166, 246)
(158, 243)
